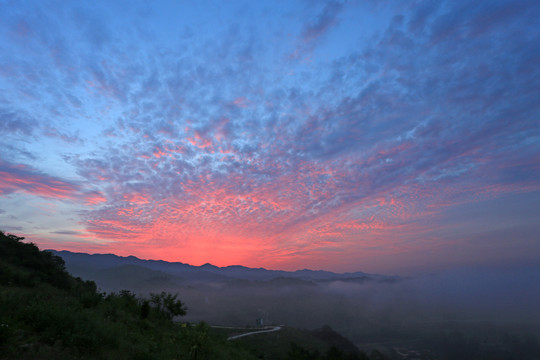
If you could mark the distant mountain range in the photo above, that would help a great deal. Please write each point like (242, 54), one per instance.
(112, 272)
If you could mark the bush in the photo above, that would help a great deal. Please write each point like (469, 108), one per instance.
(46, 313)
(168, 305)
(43, 266)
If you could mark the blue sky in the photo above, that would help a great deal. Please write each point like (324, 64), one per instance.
(354, 135)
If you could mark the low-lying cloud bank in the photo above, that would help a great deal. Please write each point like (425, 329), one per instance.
(363, 307)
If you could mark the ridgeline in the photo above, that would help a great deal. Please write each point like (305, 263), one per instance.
(48, 314)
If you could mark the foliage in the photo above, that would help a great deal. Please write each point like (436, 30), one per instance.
(297, 352)
(168, 305)
(23, 264)
(145, 309)
(290, 343)
(47, 313)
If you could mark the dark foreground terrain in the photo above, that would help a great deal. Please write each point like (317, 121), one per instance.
(476, 313)
(48, 314)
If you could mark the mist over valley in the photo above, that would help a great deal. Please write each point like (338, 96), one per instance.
(372, 310)
(359, 178)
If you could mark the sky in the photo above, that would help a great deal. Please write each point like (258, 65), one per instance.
(379, 136)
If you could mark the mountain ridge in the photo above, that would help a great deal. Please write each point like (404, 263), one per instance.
(83, 263)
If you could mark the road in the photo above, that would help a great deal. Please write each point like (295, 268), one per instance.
(276, 328)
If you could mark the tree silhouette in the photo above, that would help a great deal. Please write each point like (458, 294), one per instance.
(168, 304)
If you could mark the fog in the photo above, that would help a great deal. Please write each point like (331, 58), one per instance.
(494, 307)
(371, 309)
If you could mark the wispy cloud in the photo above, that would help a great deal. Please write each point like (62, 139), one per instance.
(313, 30)
(19, 177)
(216, 142)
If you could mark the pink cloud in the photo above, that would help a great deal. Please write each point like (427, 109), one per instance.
(19, 177)
(95, 198)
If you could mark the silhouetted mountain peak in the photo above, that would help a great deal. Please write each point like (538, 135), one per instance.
(209, 266)
(86, 265)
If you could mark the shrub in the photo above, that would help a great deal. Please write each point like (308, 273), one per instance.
(168, 305)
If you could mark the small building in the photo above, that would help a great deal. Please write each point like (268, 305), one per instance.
(259, 322)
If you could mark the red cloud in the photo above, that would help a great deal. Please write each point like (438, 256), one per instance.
(94, 198)
(23, 178)
(19, 177)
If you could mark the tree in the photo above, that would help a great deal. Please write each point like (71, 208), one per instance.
(168, 305)
(145, 309)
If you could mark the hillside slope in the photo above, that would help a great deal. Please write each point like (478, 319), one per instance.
(48, 314)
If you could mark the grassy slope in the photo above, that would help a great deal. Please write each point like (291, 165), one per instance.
(292, 343)
(281, 344)
(46, 313)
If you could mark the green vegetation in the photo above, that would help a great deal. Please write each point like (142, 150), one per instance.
(48, 314)
(297, 344)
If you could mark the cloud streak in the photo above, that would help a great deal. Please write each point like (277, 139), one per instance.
(18, 177)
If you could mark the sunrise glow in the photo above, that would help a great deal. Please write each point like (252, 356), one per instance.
(340, 135)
